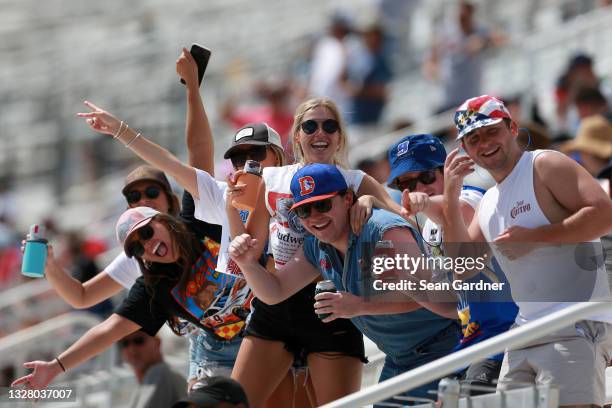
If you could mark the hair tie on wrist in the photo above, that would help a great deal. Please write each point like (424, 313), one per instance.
(60, 364)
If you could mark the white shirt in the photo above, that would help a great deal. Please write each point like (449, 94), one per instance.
(549, 278)
(210, 208)
(124, 270)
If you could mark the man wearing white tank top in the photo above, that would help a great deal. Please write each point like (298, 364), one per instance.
(542, 205)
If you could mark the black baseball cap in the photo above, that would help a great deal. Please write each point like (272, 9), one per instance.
(213, 391)
(258, 134)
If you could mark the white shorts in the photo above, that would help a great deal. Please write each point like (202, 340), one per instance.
(574, 359)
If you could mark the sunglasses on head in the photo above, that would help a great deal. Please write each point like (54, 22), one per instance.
(150, 192)
(135, 248)
(137, 341)
(329, 126)
(426, 177)
(257, 153)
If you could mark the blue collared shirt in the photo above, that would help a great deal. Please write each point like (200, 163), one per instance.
(397, 335)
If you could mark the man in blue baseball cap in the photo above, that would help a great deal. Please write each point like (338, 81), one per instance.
(409, 335)
(417, 164)
(417, 170)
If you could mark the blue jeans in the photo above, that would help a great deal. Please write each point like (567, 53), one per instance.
(209, 356)
(439, 345)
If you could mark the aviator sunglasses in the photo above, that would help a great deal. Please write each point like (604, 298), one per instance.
(239, 157)
(329, 126)
(136, 248)
(134, 196)
(426, 177)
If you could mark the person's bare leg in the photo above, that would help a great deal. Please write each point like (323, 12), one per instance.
(292, 392)
(260, 367)
(334, 376)
(304, 394)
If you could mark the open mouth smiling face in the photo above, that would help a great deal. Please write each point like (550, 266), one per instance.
(153, 243)
(319, 135)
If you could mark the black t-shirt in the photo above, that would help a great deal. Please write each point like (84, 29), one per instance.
(199, 228)
(216, 302)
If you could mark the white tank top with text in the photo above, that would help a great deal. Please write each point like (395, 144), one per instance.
(548, 278)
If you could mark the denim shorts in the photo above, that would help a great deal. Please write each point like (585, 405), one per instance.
(210, 357)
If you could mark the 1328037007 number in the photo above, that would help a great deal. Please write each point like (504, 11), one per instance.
(25, 394)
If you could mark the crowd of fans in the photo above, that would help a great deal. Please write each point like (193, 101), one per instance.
(240, 284)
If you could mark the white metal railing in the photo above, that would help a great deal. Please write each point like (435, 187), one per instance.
(448, 364)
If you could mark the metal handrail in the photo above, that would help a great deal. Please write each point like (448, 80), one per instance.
(455, 361)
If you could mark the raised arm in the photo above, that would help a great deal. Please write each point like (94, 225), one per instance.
(198, 135)
(95, 341)
(455, 227)
(270, 287)
(103, 122)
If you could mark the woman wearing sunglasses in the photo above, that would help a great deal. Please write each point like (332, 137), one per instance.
(176, 264)
(254, 141)
(333, 351)
(149, 187)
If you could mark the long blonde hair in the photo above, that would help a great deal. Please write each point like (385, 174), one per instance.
(341, 156)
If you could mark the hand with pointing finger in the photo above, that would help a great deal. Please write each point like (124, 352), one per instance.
(100, 120)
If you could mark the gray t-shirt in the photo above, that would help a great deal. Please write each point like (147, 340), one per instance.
(161, 388)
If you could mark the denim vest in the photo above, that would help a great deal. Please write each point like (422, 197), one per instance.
(397, 335)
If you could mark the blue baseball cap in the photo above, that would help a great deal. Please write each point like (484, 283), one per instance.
(415, 153)
(315, 182)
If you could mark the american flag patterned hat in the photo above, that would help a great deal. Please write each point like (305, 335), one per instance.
(477, 112)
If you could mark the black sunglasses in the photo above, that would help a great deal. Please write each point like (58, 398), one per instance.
(257, 153)
(150, 192)
(329, 126)
(137, 341)
(135, 248)
(322, 206)
(426, 177)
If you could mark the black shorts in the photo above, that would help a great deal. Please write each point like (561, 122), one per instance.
(295, 323)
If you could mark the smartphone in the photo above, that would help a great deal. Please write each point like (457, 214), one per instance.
(201, 56)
